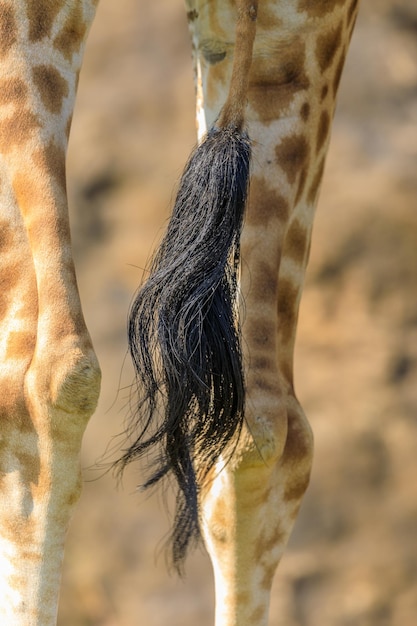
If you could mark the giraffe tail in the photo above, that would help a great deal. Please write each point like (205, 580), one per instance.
(184, 334)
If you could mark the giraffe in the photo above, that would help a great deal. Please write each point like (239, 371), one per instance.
(250, 500)
(49, 373)
(50, 377)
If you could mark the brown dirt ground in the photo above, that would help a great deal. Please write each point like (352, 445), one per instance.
(352, 560)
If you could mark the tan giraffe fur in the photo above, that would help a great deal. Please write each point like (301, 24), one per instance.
(49, 375)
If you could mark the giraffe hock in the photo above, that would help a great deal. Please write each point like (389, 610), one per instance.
(184, 334)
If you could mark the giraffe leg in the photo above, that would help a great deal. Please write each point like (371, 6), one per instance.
(49, 375)
(249, 510)
(249, 506)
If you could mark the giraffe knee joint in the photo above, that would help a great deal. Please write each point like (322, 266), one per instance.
(70, 385)
(77, 389)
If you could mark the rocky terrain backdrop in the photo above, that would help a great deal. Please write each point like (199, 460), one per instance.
(352, 560)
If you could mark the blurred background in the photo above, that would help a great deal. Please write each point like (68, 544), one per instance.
(352, 560)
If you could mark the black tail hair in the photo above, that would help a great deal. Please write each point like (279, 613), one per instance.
(184, 334)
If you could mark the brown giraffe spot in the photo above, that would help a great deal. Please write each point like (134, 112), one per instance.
(273, 86)
(258, 363)
(301, 184)
(13, 410)
(51, 159)
(267, 383)
(296, 489)
(292, 155)
(351, 14)
(8, 29)
(318, 8)
(352, 28)
(305, 111)
(264, 379)
(68, 127)
(20, 344)
(77, 78)
(53, 87)
(264, 282)
(315, 185)
(74, 497)
(29, 466)
(266, 543)
(287, 307)
(338, 74)
(9, 276)
(293, 513)
(70, 38)
(260, 332)
(6, 236)
(323, 130)
(308, 249)
(327, 47)
(299, 443)
(242, 598)
(26, 191)
(4, 306)
(268, 574)
(324, 92)
(41, 16)
(12, 90)
(18, 528)
(296, 242)
(265, 203)
(192, 15)
(16, 129)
